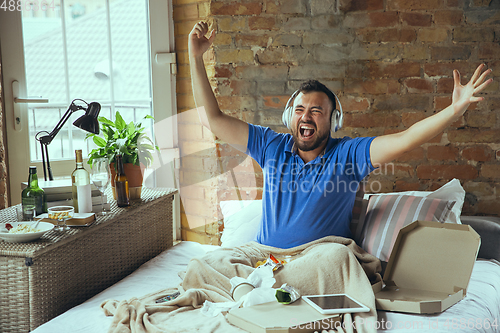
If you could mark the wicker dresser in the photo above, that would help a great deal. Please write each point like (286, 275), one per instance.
(42, 279)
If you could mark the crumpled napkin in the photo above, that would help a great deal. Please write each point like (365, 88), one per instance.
(262, 278)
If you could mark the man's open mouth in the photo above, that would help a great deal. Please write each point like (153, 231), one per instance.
(306, 131)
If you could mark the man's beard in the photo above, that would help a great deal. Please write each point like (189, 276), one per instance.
(309, 145)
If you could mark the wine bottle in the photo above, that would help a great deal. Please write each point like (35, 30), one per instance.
(121, 184)
(80, 178)
(33, 197)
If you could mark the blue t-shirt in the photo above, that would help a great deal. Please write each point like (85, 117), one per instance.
(301, 201)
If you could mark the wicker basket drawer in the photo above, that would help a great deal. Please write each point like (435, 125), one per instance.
(42, 279)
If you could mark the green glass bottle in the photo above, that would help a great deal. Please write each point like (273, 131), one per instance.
(33, 196)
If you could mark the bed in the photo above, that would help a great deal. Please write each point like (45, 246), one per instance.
(479, 311)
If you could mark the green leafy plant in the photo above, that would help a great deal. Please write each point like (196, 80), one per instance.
(122, 138)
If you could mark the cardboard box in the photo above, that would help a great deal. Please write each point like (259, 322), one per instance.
(279, 318)
(429, 268)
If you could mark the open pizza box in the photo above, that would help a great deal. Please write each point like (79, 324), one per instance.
(429, 268)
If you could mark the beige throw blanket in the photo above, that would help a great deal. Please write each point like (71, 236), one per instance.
(325, 266)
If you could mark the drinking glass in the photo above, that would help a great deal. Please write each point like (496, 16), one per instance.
(101, 176)
(61, 214)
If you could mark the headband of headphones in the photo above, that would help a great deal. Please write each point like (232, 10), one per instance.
(337, 118)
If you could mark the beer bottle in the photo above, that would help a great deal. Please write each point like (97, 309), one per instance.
(121, 184)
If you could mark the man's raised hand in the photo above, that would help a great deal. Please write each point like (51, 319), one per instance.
(198, 43)
(463, 96)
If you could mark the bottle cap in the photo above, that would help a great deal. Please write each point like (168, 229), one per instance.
(78, 154)
(32, 170)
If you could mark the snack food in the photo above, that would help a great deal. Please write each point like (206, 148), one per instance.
(22, 229)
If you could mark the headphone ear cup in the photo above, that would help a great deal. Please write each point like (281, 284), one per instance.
(340, 121)
(336, 120)
(285, 117)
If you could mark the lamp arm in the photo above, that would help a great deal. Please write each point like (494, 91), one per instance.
(47, 139)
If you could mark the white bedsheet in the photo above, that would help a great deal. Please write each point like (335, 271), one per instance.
(482, 302)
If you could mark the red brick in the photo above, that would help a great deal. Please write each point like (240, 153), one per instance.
(356, 5)
(478, 153)
(469, 34)
(441, 102)
(474, 135)
(417, 19)
(489, 207)
(414, 4)
(276, 101)
(398, 102)
(242, 87)
(374, 87)
(485, 119)
(234, 8)
(489, 51)
(262, 23)
(371, 19)
(386, 35)
(490, 171)
(445, 68)
(410, 118)
(433, 35)
(448, 17)
(393, 70)
(236, 103)
(402, 185)
(223, 71)
(400, 171)
(461, 172)
(416, 154)
(459, 52)
(351, 103)
(371, 120)
(383, 19)
(418, 86)
(445, 86)
(442, 153)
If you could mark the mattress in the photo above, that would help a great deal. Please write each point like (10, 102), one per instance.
(478, 312)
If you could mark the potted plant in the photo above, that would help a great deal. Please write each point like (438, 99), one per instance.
(131, 142)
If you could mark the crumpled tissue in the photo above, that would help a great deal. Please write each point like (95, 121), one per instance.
(262, 278)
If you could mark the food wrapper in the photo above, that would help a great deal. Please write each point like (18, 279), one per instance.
(273, 262)
(287, 294)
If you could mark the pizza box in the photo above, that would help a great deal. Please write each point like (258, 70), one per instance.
(429, 268)
(297, 317)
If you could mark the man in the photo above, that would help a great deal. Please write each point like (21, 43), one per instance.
(306, 173)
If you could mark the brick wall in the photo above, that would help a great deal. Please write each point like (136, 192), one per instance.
(4, 199)
(390, 62)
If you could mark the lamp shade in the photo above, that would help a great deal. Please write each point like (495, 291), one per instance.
(88, 122)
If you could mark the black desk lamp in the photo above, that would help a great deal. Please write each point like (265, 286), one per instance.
(87, 122)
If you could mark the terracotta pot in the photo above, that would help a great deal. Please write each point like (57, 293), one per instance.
(134, 175)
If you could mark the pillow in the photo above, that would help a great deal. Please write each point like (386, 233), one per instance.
(387, 214)
(241, 221)
(451, 191)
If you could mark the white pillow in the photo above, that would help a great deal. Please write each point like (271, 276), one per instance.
(241, 221)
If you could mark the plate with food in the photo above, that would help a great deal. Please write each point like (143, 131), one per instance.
(22, 232)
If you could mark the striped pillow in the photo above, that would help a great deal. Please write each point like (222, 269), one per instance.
(387, 214)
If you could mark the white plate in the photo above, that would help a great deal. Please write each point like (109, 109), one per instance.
(23, 238)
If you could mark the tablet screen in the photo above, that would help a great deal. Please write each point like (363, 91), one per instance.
(334, 302)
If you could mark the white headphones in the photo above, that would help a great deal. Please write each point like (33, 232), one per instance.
(337, 118)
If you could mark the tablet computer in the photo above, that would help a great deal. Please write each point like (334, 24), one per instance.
(335, 303)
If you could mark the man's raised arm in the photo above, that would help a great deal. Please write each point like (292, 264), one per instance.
(227, 128)
(386, 148)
